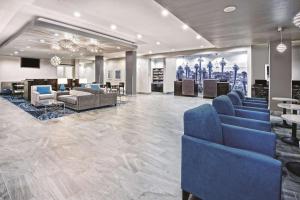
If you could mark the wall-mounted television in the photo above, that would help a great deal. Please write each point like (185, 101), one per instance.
(30, 62)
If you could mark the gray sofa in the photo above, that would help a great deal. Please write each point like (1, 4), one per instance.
(85, 98)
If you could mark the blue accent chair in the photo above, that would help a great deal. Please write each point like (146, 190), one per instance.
(224, 162)
(234, 97)
(254, 99)
(224, 106)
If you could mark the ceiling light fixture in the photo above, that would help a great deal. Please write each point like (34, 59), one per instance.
(139, 36)
(42, 41)
(16, 52)
(198, 37)
(281, 47)
(56, 34)
(76, 14)
(297, 20)
(202, 46)
(21, 49)
(157, 43)
(150, 52)
(55, 61)
(118, 47)
(113, 27)
(165, 13)
(185, 27)
(28, 47)
(55, 47)
(230, 9)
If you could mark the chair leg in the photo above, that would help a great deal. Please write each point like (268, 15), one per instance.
(185, 195)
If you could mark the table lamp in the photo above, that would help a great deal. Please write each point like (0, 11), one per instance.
(62, 82)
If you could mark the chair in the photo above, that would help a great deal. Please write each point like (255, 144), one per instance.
(224, 106)
(221, 161)
(47, 93)
(234, 97)
(242, 96)
(122, 85)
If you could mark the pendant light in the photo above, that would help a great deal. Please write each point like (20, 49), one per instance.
(297, 20)
(281, 47)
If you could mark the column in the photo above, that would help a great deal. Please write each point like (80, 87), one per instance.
(280, 72)
(99, 69)
(130, 72)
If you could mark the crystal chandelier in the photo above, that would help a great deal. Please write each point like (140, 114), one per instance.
(92, 48)
(65, 43)
(297, 20)
(74, 48)
(55, 61)
(281, 47)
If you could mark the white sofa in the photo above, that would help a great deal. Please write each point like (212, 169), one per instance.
(36, 97)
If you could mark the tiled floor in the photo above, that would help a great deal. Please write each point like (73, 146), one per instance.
(128, 152)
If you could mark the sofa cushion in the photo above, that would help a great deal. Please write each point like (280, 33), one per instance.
(223, 105)
(46, 96)
(79, 93)
(204, 123)
(68, 99)
(43, 89)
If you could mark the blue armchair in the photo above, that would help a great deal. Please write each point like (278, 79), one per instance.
(242, 96)
(234, 97)
(223, 105)
(226, 162)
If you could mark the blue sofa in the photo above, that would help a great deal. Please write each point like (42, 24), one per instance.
(224, 162)
(224, 106)
(253, 99)
(234, 97)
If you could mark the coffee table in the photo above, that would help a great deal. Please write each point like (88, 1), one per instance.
(285, 100)
(52, 103)
(294, 107)
(293, 167)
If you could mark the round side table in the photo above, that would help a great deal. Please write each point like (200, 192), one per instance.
(285, 100)
(293, 167)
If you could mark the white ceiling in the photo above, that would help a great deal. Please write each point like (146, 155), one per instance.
(254, 21)
(131, 17)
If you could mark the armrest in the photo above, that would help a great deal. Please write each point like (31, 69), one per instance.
(256, 99)
(253, 109)
(54, 93)
(248, 139)
(252, 115)
(257, 105)
(246, 123)
(214, 171)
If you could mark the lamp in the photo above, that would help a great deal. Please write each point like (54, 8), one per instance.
(297, 20)
(62, 82)
(281, 47)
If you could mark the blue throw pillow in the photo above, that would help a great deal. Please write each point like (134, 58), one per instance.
(95, 87)
(43, 89)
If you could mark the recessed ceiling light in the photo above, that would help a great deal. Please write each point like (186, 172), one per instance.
(56, 34)
(157, 43)
(202, 46)
(42, 41)
(172, 49)
(16, 52)
(113, 27)
(150, 52)
(28, 47)
(139, 36)
(76, 14)
(185, 27)
(230, 9)
(21, 49)
(118, 47)
(198, 37)
(165, 13)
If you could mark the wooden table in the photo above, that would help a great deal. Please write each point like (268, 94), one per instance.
(285, 100)
(293, 167)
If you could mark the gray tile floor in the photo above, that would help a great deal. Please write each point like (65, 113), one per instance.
(131, 151)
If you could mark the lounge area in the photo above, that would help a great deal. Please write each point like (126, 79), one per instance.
(150, 100)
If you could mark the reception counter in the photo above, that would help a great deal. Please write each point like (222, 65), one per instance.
(186, 88)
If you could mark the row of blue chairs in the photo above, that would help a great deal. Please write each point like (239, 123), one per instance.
(228, 151)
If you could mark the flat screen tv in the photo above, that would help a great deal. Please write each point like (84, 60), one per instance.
(30, 62)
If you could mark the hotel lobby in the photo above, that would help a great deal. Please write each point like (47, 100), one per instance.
(150, 100)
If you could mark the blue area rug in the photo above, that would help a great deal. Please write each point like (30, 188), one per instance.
(37, 112)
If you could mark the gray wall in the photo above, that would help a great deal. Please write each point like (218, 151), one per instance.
(296, 63)
(130, 72)
(280, 73)
(260, 57)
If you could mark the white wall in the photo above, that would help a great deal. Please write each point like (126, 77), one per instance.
(296, 63)
(113, 65)
(10, 70)
(169, 75)
(260, 57)
(143, 83)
